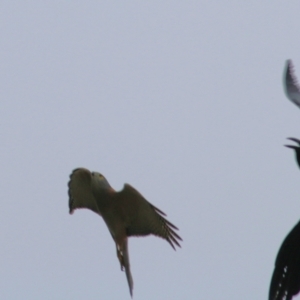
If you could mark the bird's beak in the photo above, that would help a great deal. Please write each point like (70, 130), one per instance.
(294, 140)
(292, 147)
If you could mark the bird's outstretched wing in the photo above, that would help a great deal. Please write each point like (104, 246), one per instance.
(80, 192)
(291, 86)
(285, 282)
(142, 218)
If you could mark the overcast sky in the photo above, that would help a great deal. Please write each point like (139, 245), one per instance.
(181, 99)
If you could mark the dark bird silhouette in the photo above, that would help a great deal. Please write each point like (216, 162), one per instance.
(285, 282)
(291, 86)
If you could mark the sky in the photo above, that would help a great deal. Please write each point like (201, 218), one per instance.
(181, 99)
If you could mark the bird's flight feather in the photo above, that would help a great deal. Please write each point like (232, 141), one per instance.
(291, 86)
(143, 218)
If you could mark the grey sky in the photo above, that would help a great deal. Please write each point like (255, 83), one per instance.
(181, 99)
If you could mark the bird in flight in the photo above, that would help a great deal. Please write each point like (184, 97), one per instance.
(291, 86)
(126, 213)
(285, 282)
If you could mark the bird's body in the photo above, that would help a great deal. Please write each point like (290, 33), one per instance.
(126, 213)
(285, 282)
(291, 86)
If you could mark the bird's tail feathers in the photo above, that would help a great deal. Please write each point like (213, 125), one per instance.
(127, 267)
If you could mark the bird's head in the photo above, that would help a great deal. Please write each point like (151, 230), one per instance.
(99, 182)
